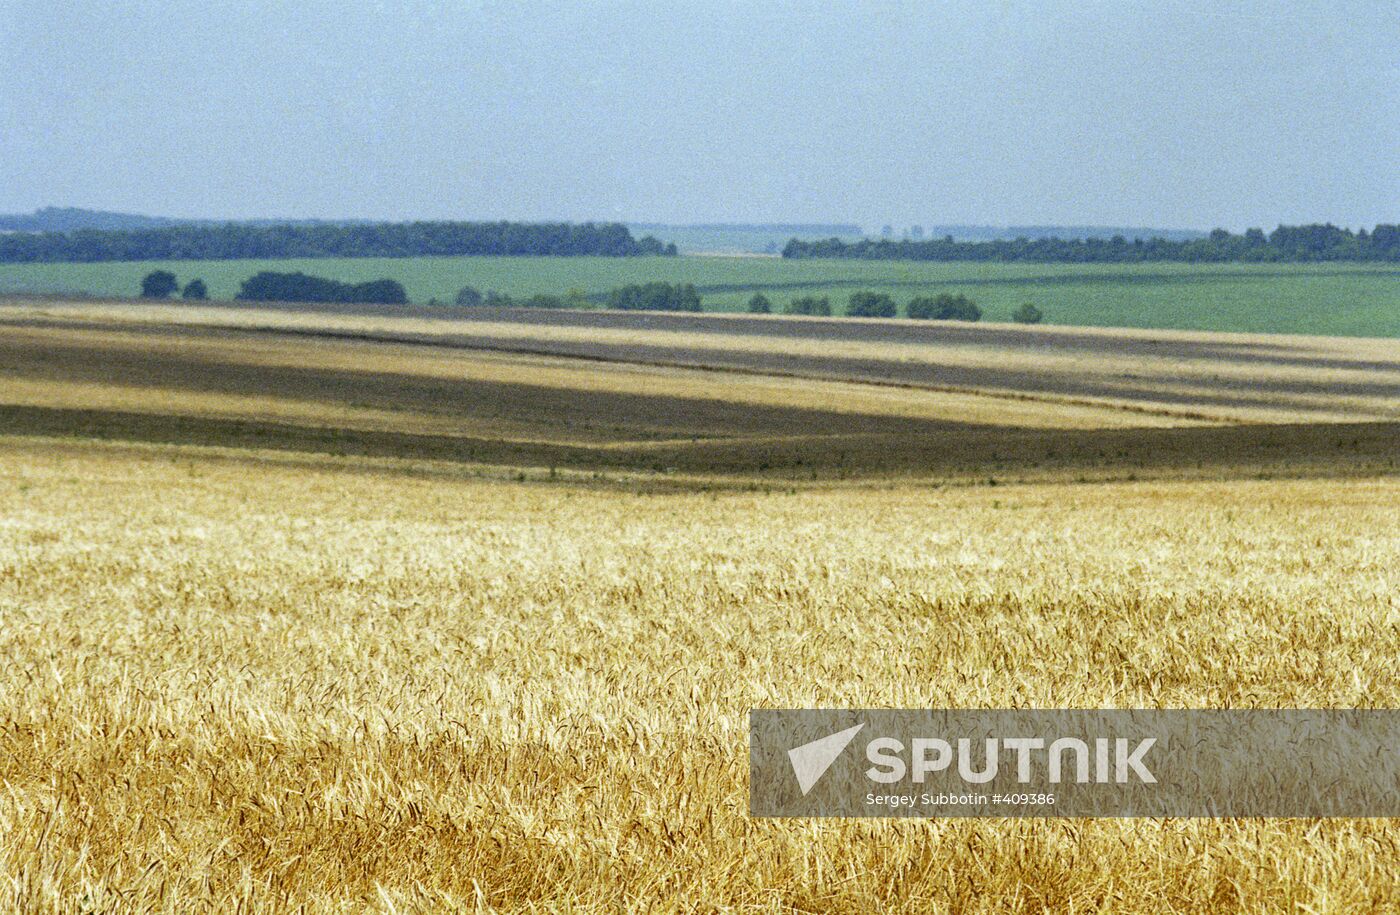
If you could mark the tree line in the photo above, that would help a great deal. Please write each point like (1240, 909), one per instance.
(270, 286)
(633, 297)
(945, 306)
(684, 297)
(234, 241)
(1289, 244)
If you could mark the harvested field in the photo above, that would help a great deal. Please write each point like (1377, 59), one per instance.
(704, 395)
(1270, 373)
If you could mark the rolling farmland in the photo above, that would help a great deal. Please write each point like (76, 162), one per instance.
(1331, 299)
(777, 395)
(389, 524)
(423, 609)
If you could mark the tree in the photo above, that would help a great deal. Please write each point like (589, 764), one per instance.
(159, 284)
(944, 307)
(468, 296)
(921, 308)
(655, 297)
(871, 305)
(378, 292)
(195, 289)
(809, 305)
(653, 246)
(1028, 314)
(759, 304)
(957, 308)
(268, 286)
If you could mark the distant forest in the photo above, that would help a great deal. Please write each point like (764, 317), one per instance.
(233, 241)
(71, 219)
(1284, 244)
(780, 228)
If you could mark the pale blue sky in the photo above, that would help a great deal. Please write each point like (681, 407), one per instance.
(1190, 114)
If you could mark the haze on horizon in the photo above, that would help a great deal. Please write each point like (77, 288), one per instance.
(1176, 114)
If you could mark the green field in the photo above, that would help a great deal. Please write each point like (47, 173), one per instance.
(1329, 299)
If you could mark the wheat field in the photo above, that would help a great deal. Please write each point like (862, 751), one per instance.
(331, 663)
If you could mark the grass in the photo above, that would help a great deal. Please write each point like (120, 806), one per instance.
(386, 621)
(1332, 299)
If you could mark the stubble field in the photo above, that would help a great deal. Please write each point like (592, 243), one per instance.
(344, 611)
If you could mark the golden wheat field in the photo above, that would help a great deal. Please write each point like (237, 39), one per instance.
(404, 618)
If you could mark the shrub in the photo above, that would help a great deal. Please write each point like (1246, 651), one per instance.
(871, 305)
(944, 307)
(159, 284)
(809, 305)
(759, 304)
(496, 299)
(468, 296)
(195, 289)
(655, 297)
(1028, 314)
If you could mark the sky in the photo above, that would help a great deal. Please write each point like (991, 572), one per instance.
(1180, 113)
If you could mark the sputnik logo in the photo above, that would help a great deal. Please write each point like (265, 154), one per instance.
(811, 760)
